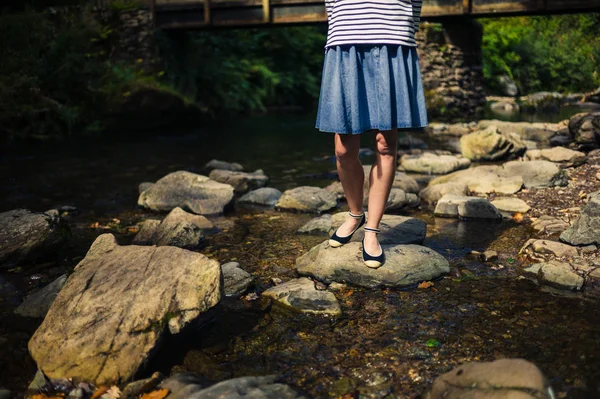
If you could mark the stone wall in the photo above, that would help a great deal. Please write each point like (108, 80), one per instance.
(451, 66)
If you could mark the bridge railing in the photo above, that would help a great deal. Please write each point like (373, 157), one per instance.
(223, 13)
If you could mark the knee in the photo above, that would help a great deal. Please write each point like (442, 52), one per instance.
(345, 154)
(384, 146)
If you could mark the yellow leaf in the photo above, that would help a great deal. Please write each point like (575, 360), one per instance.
(425, 284)
(158, 394)
(518, 217)
(101, 391)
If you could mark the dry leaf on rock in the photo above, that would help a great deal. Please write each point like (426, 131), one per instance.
(113, 393)
(158, 394)
(425, 284)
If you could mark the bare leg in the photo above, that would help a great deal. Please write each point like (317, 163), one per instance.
(380, 183)
(351, 175)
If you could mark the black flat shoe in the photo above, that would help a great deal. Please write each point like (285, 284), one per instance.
(372, 261)
(337, 241)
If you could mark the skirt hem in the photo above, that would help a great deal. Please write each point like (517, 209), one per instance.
(381, 128)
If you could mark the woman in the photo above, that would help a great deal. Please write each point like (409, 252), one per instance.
(371, 82)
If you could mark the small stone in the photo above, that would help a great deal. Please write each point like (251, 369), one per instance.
(565, 157)
(240, 181)
(490, 256)
(316, 226)
(433, 163)
(235, 279)
(38, 303)
(307, 199)
(588, 249)
(337, 286)
(451, 205)
(302, 295)
(266, 196)
(216, 164)
(550, 224)
(432, 194)
(586, 229)
(560, 275)
(510, 204)
(137, 388)
(78, 393)
(39, 381)
(144, 236)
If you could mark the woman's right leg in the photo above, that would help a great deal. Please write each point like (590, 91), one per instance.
(352, 176)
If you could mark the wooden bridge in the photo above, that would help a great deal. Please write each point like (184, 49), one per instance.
(197, 14)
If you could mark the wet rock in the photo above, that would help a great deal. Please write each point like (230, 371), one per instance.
(451, 205)
(543, 100)
(240, 181)
(187, 386)
(38, 303)
(189, 191)
(307, 199)
(547, 247)
(302, 295)
(266, 196)
(585, 128)
(114, 309)
(395, 229)
(318, 225)
(147, 230)
(432, 194)
(433, 164)
(144, 186)
(556, 274)
(550, 224)
(510, 204)
(504, 378)
(9, 294)
(586, 229)
(337, 189)
(235, 279)
(398, 199)
(565, 157)
(136, 388)
(27, 236)
(483, 179)
(222, 165)
(490, 145)
(537, 174)
(405, 265)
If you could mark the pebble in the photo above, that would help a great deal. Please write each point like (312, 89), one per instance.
(588, 249)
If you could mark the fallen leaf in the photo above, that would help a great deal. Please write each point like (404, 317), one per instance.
(158, 394)
(101, 391)
(425, 284)
(95, 225)
(518, 217)
(349, 293)
(42, 396)
(113, 393)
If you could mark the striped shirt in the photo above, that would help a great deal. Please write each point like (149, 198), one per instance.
(377, 22)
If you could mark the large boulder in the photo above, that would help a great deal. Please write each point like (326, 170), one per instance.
(501, 379)
(536, 174)
(585, 129)
(433, 163)
(307, 199)
(189, 191)
(240, 181)
(266, 196)
(405, 265)
(564, 157)
(301, 294)
(27, 236)
(490, 145)
(187, 386)
(586, 229)
(115, 308)
(395, 229)
(38, 303)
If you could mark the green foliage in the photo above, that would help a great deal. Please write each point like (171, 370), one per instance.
(552, 53)
(246, 70)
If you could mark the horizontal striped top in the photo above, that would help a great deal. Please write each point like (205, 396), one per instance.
(377, 22)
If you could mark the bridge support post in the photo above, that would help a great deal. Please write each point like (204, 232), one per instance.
(451, 65)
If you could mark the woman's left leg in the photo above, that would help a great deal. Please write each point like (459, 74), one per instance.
(381, 178)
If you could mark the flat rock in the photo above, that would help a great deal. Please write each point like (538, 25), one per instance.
(550, 224)
(537, 174)
(235, 279)
(27, 236)
(564, 157)
(548, 247)
(432, 194)
(519, 128)
(114, 309)
(189, 191)
(433, 163)
(186, 386)
(395, 229)
(38, 303)
(511, 204)
(318, 225)
(455, 206)
(484, 179)
(557, 274)
(501, 379)
(302, 295)
(266, 196)
(216, 164)
(585, 128)
(490, 145)
(405, 265)
(307, 199)
(240, 181)
(586, 229)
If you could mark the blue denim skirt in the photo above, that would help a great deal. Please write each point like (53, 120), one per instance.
(366, 87)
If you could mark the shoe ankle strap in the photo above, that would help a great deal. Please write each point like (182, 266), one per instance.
(356, 216)
(372, 230)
